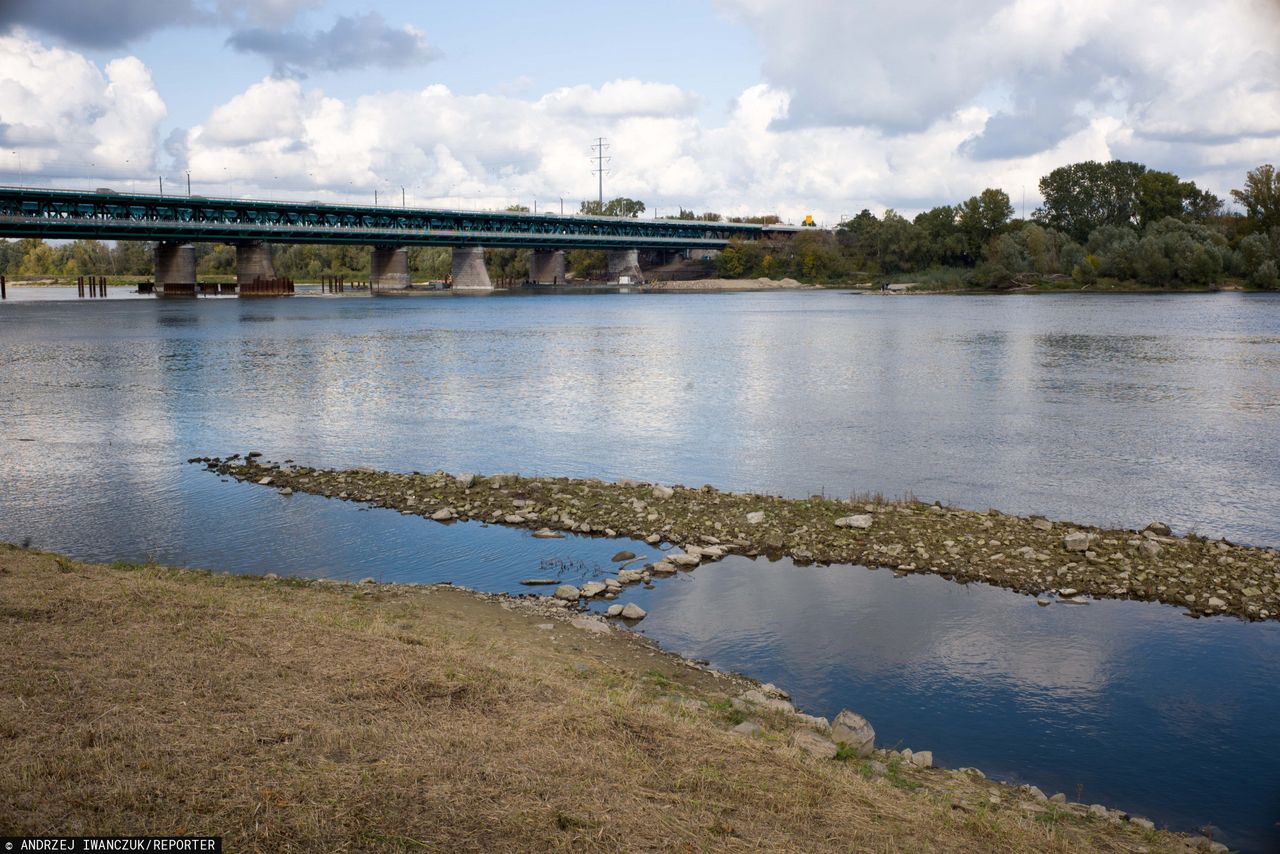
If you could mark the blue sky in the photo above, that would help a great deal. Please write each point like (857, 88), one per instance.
(741, 106)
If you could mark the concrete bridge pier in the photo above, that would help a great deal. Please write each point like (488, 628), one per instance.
(547, 267)
(468, 272)
(253, 261)
(389, 268)
(175, 269)
(624, 267)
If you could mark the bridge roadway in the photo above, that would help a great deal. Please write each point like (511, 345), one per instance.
(174, 222)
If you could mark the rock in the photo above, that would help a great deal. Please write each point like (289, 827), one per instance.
(771, 690)
(855, 731)
(368, 580)
(814, 722)
(653, 539)
(266, 481)
(1215, 602)
(548, 534)
(632, 611)
(1042, 524)
(623, 557)
(663, 491)
(1150, 548)
(593, 588)
(466, 481)
(513, 519)
(748, 728)
(860, 521)
(1097, 811)
(685, 560)
(567, 592)
(922, 759)
(755, 517)
(1058, 798)
(590, 624)
(286, 491)
(1076, 541)
(815, 744)
(1043, 603)
(878, 769)
(614, 611)
(1067, 592)
(1144, 823)
(664, 567)
(535, 581)
(271, 576)
(444, 514)
(1159, 529)
(1035, 792)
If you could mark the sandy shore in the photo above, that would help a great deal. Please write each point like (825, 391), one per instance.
(729, 285)
(285, 714)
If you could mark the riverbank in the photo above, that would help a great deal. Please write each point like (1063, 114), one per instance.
(1058, 562)
(761, 284)
(310, 715)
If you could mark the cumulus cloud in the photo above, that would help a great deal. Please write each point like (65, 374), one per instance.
(1205, 77)
(621, 98)
(352, 42)
(99, 24)
(102, 122)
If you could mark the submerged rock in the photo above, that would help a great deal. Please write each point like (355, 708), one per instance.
(623, 556)
(632, 611)
(548, 534)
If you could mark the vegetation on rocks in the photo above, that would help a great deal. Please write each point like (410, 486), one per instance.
(1053, 560)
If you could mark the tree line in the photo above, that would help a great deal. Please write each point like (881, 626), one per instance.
(1116, 220)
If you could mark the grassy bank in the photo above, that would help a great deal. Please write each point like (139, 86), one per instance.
(295, 716)
(1053, 560)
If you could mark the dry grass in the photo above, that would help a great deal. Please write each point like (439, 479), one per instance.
(303, 717)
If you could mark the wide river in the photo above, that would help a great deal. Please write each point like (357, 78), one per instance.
(1113, 410)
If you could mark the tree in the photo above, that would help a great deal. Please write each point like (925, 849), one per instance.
(1261, 197)
(1082, 196)
(1161, 194)
(944, 242)
(981, 218)
(620, 206)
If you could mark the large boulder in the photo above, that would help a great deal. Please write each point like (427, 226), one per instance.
(632, 611)
(815, 744)
(1076, 541)
(568, 593)
(862, 521)
(593, 588)
(854, 731)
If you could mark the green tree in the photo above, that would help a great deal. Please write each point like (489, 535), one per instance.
(981, 218)
(620, 206)
(1261, 197)
(1083, 196)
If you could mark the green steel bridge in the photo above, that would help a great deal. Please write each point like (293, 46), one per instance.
(107, 215)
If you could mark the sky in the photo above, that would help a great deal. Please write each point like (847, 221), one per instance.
(795, 107)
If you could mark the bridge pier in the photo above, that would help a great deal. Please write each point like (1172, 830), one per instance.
(389, 268)
(547, 267)
(468, 271)
(624, 267)
(253, 261)
(176, 269)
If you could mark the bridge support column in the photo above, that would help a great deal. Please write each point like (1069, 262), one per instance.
(389, 268)
(253, 261)
(547, 267)
(624, 267)
(175, 269)
(468, 271)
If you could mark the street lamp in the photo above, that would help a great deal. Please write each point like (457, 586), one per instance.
(188, 182)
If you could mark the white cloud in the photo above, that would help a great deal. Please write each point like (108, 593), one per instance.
(63, 116)
(621, 98)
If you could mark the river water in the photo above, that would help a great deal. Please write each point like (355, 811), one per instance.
(1102, 409)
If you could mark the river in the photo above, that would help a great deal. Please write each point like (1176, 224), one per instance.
(1113, 410)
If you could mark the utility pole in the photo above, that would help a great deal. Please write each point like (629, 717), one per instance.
(600, 146)
(161, 185)
(402, 204)
(188, 182)
(375, 198)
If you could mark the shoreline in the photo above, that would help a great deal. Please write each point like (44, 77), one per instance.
(793, 767)
(1053, 561)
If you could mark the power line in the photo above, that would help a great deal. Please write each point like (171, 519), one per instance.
(600, 146)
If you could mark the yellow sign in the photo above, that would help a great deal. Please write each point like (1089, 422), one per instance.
(808, 219)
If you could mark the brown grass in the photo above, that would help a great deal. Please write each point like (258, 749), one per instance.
(287, 716)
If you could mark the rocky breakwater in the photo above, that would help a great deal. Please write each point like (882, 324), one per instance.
(1055, 561)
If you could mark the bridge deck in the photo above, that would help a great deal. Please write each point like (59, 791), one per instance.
(72, 214)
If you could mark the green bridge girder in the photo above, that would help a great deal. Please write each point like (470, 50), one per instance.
(80, 214)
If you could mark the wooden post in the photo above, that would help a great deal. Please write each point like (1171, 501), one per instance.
(3, 293)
